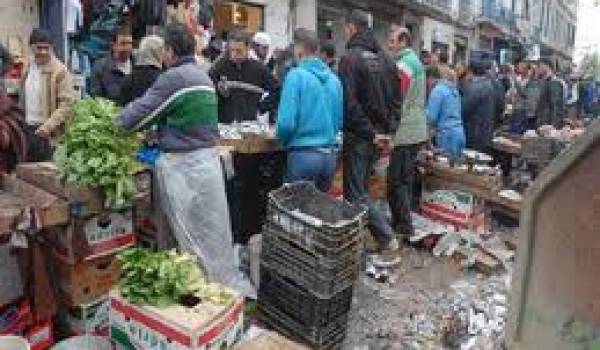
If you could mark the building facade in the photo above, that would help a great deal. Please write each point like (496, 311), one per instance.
(552, 26)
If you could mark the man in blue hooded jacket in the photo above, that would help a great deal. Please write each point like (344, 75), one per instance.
(310, 114)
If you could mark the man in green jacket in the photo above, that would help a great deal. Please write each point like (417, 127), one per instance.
(411, 133)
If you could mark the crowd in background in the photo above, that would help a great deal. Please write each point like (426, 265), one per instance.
(373, 94)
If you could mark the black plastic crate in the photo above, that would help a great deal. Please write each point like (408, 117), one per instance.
(302, 210)
(299, 303)
(330, 337)
(322, 279)
(315, 253)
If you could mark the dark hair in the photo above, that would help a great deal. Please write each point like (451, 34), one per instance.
(443, 57)
(240, 35)
(180, 40)
(121, 31)
(479, 67)
(328, 49)
(40, 36)
(404, 35)
(547, 61)
(307, 38)
(360, 19)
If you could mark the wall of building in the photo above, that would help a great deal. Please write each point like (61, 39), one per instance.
(17, 19)
(282, 16)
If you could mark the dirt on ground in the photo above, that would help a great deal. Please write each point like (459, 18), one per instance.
(430, 303)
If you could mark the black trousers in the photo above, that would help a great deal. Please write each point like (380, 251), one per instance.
(38, 149)
(400, 188)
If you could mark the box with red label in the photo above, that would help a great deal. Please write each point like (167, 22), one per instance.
(460, 209)
(86, 281)
(96, 236)
(15, 317)
(40, 336)
(205, 327)
(90, 319)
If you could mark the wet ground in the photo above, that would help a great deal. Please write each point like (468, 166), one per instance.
(430, 303)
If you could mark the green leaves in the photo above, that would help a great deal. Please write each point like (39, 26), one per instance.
(163, 278)
(96, 152)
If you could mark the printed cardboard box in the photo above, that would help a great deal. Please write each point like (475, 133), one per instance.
(90, 319)
(211, 327)
(86, 281)
(460, 209)
(94, 237)
(40, 336)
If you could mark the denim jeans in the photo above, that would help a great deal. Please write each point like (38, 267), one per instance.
(316, 165)
(451, 141)
(359, 157)
(401, 178)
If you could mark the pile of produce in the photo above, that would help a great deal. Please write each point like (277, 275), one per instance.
(165, 278)
(96, 152)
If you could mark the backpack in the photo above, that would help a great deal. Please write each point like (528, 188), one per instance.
(383, 103)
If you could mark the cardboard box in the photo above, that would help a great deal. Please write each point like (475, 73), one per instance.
(212, 327)
(86, 281)
(94, 237)
(86, 319)
(43, 209)
(459, 209)
(46, 176)
(40, 336)
(83, 200)
(15, 318)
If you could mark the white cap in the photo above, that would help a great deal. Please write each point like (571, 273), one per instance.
(262, 38)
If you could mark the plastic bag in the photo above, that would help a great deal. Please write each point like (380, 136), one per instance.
(192, 197)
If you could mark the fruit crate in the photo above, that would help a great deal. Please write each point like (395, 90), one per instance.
(312, 217)
(330, 337)
(321, 279)
(299, 303)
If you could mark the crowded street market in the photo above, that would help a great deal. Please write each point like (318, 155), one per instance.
(297, 174)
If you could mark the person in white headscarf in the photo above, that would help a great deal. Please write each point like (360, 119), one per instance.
(148, 67)
(261, 47)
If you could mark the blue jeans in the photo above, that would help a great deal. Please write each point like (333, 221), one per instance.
(451, 141)
(359, 157)
(316, 165)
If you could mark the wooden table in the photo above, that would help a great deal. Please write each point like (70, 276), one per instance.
(253, 144)
(483, 186)
(460, 179)
(512, 149)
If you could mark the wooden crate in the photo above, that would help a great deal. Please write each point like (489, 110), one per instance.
(17, 195)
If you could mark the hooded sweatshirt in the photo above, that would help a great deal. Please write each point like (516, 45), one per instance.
(311, 107)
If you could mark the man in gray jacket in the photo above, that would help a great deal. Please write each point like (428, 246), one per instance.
(182, 106)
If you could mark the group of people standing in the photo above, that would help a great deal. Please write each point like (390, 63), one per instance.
(370, 96)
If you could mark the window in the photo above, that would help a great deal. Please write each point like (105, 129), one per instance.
(233, 14)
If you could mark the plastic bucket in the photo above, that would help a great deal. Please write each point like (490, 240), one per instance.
(85, 342)
(10, 342)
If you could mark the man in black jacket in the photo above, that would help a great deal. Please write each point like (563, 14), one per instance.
(109, 73)
(551, 103)
(478, 107)
(241, 82)
(365, 118)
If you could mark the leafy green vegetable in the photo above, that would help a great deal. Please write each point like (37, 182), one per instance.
(96, 152)
(162, 278)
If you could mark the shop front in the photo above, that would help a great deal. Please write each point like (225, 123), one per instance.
(276, 18)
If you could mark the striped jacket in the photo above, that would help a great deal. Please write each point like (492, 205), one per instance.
(182, 105)
(413, 126)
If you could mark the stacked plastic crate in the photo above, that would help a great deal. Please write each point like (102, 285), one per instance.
(310, 260)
